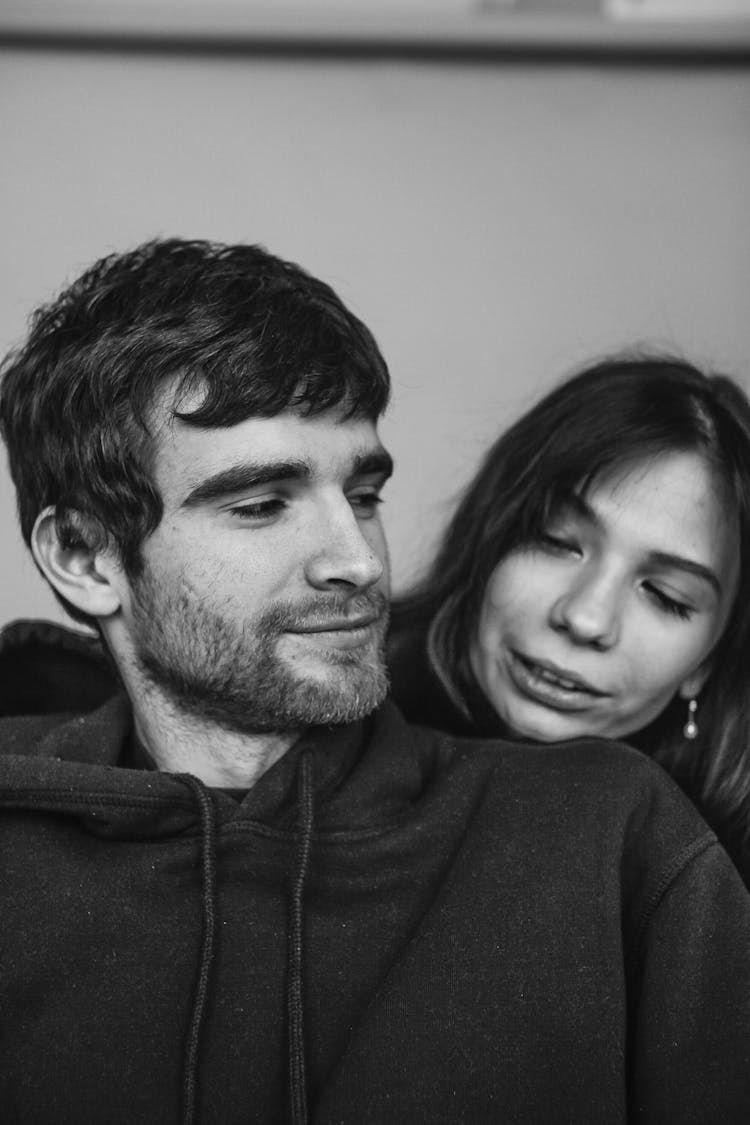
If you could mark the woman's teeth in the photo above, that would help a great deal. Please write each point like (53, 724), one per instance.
(551, 678)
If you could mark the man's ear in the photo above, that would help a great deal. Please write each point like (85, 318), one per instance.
(88, 578)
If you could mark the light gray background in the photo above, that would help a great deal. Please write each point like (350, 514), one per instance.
(495, 223)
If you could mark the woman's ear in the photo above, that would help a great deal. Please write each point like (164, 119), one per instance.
(88, 578)
(691, 687)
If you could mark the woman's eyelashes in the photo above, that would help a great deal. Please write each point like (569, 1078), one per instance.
(668, 603)
(559, 543)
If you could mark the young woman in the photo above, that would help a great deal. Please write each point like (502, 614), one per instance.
(595, 581)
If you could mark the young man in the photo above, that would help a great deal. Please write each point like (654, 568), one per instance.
(238, 887)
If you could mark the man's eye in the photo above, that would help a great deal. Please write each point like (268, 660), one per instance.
(365, 504)
(258, 509)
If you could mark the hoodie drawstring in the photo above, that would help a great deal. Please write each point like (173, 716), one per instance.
(295, 934)
(208, 944)
(294, 991)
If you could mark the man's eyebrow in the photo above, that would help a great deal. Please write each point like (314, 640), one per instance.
(376, 462)
(581, 507)
(244, 476)
(247, 475)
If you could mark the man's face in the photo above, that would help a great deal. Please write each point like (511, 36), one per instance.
(262, 604)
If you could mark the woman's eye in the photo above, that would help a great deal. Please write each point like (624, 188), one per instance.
(559, 544)
(669, 604)
(258, 509)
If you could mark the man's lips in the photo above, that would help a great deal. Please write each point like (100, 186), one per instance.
(557, 676)
(337, 625)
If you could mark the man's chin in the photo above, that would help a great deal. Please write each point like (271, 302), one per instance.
(339, 692)
(290, 705)
(281, 686)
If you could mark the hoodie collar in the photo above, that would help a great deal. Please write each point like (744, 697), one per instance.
(80, 756)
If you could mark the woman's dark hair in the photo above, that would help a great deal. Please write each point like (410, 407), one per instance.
(616, 412)
(254, 335)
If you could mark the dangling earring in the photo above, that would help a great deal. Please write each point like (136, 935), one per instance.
(690, 730)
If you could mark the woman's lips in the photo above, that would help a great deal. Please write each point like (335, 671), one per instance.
(549, 684)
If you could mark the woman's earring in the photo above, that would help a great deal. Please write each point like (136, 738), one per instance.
(690, 730)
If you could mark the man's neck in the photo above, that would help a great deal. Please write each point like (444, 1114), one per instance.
(180, 741)
(219, 757)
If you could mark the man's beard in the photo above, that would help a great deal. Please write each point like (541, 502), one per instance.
(229, 673)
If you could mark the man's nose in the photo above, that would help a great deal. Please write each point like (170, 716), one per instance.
(589, 610)
(344, 559)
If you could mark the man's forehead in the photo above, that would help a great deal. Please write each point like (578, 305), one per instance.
(321, 444)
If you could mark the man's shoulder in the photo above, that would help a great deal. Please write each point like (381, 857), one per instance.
(597, 764)
(58, 693)
(47, 669)
(590, 812)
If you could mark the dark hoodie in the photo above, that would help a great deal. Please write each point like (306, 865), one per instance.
(394, 925)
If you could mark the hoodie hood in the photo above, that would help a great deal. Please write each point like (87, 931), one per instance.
(47, 669)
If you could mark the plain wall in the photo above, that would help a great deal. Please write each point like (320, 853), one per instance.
(496, 224)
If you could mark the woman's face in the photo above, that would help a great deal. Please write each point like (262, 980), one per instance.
(593, 629)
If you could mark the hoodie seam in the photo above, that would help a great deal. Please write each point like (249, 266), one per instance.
(22, 800)
(677, 867)
(43, 797)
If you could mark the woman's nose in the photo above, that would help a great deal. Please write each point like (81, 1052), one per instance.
(588, 611)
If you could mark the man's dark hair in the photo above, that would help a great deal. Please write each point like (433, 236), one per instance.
(252, 334)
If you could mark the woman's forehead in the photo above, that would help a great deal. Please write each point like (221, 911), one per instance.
(675, 503)
(692, 474)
